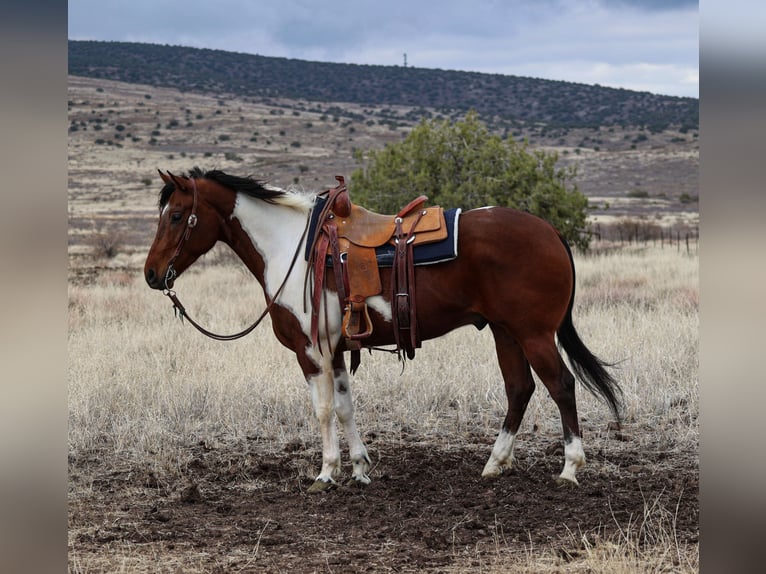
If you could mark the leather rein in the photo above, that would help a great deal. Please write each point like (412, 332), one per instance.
(171, 274)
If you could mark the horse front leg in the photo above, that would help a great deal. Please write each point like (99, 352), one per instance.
(331, 395)
(322, 390)
(344, 408)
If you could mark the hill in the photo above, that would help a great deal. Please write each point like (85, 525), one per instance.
(121, 133)
(504, 102)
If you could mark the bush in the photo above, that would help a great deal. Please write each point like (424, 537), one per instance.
(105, 244)
(462, 165)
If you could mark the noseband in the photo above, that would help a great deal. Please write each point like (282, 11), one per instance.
(171, 274)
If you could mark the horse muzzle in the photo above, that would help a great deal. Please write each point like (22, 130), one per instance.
(157, 281)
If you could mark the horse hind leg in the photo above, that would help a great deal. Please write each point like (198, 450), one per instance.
(519, 386)
(550, 368)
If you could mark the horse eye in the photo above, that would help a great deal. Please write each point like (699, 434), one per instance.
(175, 217)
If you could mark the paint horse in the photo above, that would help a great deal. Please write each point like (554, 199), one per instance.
(514, 273)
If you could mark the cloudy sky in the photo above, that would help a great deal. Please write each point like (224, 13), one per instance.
(647, 45)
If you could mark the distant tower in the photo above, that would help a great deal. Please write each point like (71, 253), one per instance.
(405, 59)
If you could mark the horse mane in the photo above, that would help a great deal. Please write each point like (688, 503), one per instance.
(247, 185)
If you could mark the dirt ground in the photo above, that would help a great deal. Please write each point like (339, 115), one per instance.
(245, 508)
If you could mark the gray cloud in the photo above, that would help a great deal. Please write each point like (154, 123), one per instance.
(660, 5)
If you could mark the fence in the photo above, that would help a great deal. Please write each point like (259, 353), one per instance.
(636, 232)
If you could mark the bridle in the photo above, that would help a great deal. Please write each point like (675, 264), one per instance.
(191, 223)
(171, 274)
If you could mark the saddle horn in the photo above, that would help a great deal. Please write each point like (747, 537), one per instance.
(341, 202)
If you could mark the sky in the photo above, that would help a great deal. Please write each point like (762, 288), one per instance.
(645, 45)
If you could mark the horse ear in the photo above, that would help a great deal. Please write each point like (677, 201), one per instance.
(180, 182)
(164, 177)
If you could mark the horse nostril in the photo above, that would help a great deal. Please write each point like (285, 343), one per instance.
(150, 276)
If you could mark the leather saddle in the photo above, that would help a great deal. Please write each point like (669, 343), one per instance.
(345, 239)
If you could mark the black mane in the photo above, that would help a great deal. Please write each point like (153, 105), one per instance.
(247, 185)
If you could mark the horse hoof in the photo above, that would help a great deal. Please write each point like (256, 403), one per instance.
(358, 481)
(321, 486)
(495, 471)
(562, 482)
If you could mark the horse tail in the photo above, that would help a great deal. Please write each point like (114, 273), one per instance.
(589, 368)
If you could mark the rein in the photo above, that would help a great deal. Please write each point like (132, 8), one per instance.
(171, 273)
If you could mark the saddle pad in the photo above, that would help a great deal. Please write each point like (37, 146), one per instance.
(425, 254)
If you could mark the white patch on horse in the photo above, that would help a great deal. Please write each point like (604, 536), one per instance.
(377, 303)
(502, 454)
(574, 458)
(314, 354)
(274, 230)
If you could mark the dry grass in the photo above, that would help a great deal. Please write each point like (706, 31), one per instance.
(648, 544)
(638, 308)
(142, 386)
(156, 382)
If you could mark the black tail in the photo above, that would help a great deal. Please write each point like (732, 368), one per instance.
(587, 367)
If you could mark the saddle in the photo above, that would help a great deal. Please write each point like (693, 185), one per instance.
(345, 239)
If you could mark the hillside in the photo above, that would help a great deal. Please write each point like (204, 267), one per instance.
(504, 102)
(121, 133)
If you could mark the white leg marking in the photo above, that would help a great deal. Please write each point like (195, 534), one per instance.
(344, 408)
(574, 458)
(321, 386)
(502, 454)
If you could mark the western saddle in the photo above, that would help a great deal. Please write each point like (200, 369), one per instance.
(345, 239)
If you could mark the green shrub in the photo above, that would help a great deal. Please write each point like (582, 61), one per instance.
(461, 164)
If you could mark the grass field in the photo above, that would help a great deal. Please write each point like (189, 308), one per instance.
(143, 387)
(143, 382)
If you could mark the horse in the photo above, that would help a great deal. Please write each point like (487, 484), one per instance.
(514, 273)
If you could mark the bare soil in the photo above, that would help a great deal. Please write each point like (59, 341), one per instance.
(245, 508)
